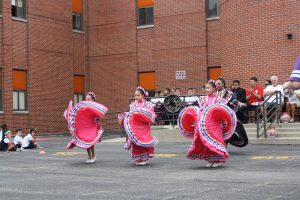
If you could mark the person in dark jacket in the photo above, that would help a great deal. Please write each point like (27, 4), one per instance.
(239, 94)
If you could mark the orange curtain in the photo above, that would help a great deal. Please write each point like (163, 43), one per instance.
(78, 84)
(19, 80)
(77, 6)
(145, 3)
(147, 80)
(214, 73)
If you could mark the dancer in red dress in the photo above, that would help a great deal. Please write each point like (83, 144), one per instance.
(137, 124)
(209, 125)
(84, 124)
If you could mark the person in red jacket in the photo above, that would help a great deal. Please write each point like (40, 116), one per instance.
(254, 94)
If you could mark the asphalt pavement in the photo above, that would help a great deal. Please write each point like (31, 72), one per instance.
(255, 172)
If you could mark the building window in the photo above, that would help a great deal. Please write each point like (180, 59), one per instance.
(212, 8)
(145, 12)
(77, 15)
(78, 98)
(0, 7)
(18, 8)
(19, 90)
(213, 73)
(78, 88)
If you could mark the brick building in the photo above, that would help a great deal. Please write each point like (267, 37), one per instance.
(54, 51)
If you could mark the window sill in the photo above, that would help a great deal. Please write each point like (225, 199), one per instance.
(145, 26)
(19, 19)
(212, 18)
(76, 31)
(0, 15)
(1, 112)
(20, 112)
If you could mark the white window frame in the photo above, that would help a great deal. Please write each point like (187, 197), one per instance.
(19, 100)
(78, 97)
(146, 25)
(207, 11)
(20, 9)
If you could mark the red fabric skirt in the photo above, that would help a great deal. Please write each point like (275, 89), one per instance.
(215, 124)
(140, 154)
(137, 124)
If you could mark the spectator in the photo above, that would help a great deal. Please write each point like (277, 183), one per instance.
(202, 89)
(267, 82)
(5, 140)
(239, 94)
(18, 140)
(177, 91)
(292, 103)
(172, 91)
(161, 93)
(270, 90)
(254, 95)
(29, 141)
(190, 92)
(194, 91)
(191, 99)
(167, 92)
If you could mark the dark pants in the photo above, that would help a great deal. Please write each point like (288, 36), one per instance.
(30, 146)
(253, 108)
(3, 146)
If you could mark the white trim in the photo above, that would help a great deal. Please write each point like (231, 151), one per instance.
(0, 15)
(20, 112)
(212, 18)
(296, 71)
(145, 26)
(19, 19)
(1, 112)
(295, 75)
(76, 31)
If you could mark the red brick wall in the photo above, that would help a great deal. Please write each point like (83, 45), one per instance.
(112, 52)
(214, 43)
(51, 53)
(177, 42)
(248, 39)
(254, 41)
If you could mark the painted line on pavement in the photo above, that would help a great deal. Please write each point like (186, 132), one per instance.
(273, 157)
(68, 153)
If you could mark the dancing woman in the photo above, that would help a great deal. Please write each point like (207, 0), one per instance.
(84, 124)
(209, 125)
(137, 124)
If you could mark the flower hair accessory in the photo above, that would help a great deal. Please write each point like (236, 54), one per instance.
(143, 90)
(212, 81)
(92, 95)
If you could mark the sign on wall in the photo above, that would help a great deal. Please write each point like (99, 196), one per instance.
(180, 75)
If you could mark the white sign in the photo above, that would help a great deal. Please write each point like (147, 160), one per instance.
(180, 75)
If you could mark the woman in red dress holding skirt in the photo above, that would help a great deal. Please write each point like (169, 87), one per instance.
(209, 125)
(137, 124)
